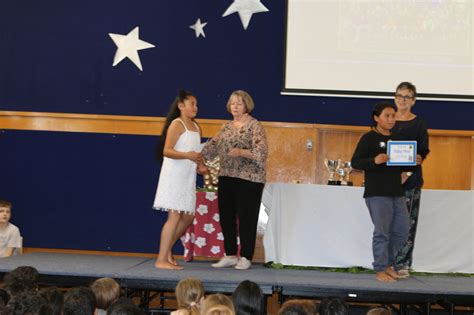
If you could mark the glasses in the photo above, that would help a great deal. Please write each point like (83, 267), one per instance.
(405, 98)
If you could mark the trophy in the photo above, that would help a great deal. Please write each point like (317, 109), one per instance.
(212, 178)
(344, 170)
(332, 166)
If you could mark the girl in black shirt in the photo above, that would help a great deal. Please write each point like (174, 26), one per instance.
(383, 193)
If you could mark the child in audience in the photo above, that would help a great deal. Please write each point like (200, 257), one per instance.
(21, 279)
(334, 306)
(384, 195)
(248, 299)
(27, 303)
(176, 192)
(10, 238)
(379, 311)
(299, 307)
(124, 306)
(79, 301)
(106, 291)
(217, 304)
(189, 294)
(55, 299)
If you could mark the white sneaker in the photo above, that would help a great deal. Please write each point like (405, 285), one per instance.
(403, 273)
(243, 264)
(226, 262)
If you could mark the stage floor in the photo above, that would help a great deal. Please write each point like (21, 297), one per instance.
(139, 273)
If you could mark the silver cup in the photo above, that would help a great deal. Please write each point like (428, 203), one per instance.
(332, 166)
(346, 168)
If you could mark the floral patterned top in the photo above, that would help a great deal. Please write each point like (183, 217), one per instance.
(250, 136)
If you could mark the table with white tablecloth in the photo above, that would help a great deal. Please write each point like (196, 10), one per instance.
(330, 226)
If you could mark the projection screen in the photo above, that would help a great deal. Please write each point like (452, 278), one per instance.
(364, 48)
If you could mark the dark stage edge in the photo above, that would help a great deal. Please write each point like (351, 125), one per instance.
(139, 273)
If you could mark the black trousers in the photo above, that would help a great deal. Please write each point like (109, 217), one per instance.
(240, 200)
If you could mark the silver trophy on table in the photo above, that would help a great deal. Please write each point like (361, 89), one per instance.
(345, 168)
(332, 166)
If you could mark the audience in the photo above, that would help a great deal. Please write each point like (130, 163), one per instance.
(248, 299)
(21, 296)
(189, 295)
(217, 304)
(106, 291)
(299, 307)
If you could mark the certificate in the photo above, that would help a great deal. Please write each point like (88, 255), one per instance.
(401, 153)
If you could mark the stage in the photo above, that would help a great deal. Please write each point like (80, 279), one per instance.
(136, 273)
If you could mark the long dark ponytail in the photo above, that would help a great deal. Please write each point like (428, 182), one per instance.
(173, 113)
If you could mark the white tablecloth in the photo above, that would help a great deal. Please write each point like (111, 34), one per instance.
(330, 226)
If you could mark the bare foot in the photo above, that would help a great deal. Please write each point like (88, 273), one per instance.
(392, 273)
(384, 277)
(172, 260)
(167, 265)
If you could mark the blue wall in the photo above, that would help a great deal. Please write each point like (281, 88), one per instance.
(57, 56)
(95, 191)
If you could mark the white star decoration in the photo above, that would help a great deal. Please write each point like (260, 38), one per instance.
(245, 8)
(128, 47)
(198, 28)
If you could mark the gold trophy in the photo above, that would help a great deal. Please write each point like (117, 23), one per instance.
(212, 177)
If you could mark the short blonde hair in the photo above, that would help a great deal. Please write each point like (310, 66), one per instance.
(299, 306)
(379, 311)
(189, 293)
(217, 304)
(246, 98)
(106, 291)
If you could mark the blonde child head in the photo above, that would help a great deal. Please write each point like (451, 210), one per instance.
(379, 311)
(189, 294)
(106, 291)
(217, 304)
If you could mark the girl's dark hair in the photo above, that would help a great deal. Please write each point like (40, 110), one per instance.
(173, 113)
(333, 306)
(248, 299)
(378, 109)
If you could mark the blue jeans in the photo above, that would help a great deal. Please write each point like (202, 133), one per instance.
(391, 224)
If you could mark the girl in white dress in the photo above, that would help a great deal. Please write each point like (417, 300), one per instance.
(176, 192)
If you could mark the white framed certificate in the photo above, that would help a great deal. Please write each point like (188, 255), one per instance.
(401, 153)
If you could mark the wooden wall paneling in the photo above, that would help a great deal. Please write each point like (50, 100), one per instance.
(472, 163)
(289, 160)
(449, 164)
(337, 144)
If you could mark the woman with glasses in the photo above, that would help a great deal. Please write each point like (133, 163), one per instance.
(410, 127)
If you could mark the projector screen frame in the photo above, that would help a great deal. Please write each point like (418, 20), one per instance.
(352, 93)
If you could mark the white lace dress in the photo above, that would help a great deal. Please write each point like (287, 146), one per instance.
(177, 184)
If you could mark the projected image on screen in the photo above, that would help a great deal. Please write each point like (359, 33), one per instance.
(365, 48)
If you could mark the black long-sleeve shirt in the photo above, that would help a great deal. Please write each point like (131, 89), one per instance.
(380, 180)
(414, 129)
